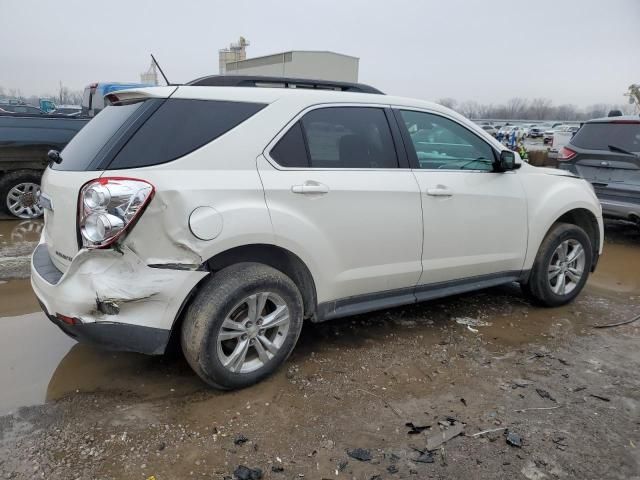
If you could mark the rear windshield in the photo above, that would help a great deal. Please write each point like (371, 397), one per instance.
(151, 132)
(598, 136)
(81, 151)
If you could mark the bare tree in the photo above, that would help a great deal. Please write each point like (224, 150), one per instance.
(470, 109)
(447, 102)
(566, 112)
(540, 108)
(516, 107)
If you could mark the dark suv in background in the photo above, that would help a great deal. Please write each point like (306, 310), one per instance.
(606, 152)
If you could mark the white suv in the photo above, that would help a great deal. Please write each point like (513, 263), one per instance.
(223, 217)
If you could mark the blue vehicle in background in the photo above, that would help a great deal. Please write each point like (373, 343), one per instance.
(93, 97)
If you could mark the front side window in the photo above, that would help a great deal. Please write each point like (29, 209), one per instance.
(338, 137)
(441, 143)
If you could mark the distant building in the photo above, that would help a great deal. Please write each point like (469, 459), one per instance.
(150, 76)
(321, 65)
(235, 53)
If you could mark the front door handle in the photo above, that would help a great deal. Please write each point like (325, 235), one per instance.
(439, 191)
(310, 187)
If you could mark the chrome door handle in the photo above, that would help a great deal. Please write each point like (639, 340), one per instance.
(439, 191)
(310, 187)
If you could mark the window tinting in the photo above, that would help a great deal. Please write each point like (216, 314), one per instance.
(598, 136)
(85, 145)
(179, 127)
(290, 150)
(349, 137)
(441, 143)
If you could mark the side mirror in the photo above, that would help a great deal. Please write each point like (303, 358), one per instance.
(506, 162)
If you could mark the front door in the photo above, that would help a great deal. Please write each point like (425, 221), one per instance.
(475, 220)
(338, 197)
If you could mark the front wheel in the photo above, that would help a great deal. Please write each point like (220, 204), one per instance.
(561, 267)
(242, 325)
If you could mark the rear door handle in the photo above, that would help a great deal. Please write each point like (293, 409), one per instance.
(439, 191)
(310, 187)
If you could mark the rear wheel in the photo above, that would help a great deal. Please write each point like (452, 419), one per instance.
(19, 192)
(242, 325)
(561, 267)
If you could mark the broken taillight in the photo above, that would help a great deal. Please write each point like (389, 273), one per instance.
(107, 207)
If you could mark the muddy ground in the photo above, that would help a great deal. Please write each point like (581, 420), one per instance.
(570, 392)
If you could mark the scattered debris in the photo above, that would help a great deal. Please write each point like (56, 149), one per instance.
(522, 410)
(426, 457)
(514, 439)
(520, 383)
(435, 439)
(240, 439)
(246, 473)
(416, 429)
(624, 322)
(544, 394)
(488, 431)
(360, 454)
(472, 322)
(600, 397)
(559, 441)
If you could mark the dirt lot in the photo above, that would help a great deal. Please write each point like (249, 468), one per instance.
(569, 392)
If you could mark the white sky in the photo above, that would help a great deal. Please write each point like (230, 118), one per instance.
(572, 51)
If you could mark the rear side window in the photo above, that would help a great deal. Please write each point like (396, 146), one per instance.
(598, 136)
(338, 137)
(179, 127)
(290, 150)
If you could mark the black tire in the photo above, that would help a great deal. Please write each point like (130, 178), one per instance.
(538, 287)
(217, 299)
(10, 180)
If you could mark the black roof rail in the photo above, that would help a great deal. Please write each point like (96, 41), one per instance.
(263, 81)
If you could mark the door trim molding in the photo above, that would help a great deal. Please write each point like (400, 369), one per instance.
(369, 302)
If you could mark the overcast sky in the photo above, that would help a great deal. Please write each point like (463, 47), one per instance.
(571, 51)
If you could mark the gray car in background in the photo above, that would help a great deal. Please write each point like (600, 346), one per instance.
(606, 152)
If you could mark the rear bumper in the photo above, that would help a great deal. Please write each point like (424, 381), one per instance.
(115, 300)
(115, 336)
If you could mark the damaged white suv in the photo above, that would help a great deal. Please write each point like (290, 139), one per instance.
(224, 217)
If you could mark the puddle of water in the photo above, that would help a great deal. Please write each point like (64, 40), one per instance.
(20, 231)
(17, 298)
(32, 348)
(619, 269)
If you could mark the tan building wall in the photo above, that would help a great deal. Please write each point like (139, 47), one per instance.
(299, 64)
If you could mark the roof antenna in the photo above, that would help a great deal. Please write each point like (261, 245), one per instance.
(160, 68)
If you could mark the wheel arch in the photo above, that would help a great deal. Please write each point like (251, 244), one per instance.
(276, 257)
(580, 216)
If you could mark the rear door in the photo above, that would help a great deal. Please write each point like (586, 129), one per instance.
(337, 190)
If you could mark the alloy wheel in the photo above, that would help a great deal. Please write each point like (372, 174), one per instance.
(22, 200)
(253, 333)
(566, 267)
